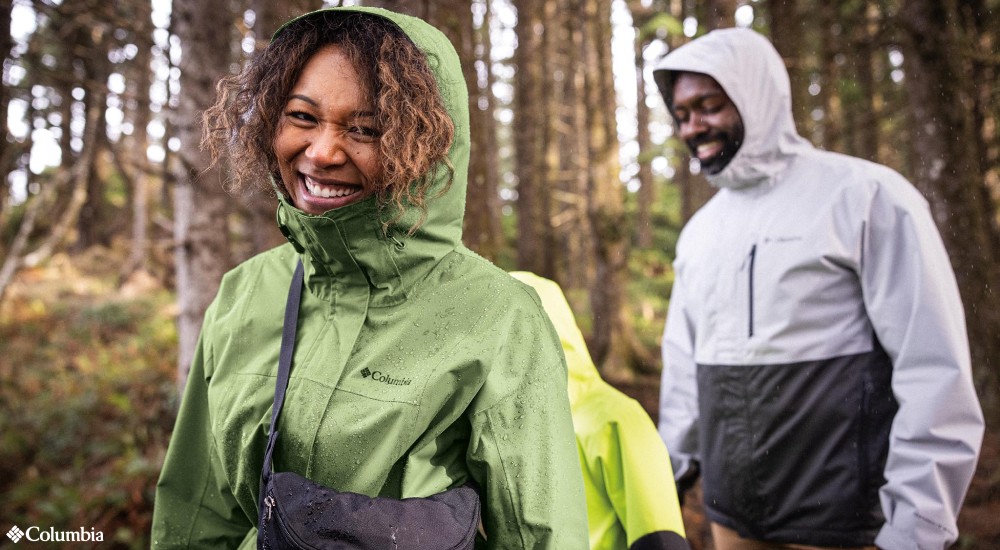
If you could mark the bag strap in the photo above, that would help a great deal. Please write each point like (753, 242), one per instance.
(284, 361)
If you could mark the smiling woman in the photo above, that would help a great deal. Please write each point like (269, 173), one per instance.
(417, 384)
(397, 122)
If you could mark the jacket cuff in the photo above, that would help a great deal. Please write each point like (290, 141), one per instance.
(890, 538)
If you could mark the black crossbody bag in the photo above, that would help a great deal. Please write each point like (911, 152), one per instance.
(296, 513)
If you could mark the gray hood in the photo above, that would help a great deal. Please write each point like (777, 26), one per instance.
(753, 74)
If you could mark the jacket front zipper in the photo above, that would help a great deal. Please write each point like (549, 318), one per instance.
(753, 256)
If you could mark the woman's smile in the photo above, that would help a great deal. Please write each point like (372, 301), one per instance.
(327, 143)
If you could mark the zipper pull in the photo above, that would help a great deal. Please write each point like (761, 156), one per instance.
(269, 502)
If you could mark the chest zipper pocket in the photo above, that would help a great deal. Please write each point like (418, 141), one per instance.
(750, 269)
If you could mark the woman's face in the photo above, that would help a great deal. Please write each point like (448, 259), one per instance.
(327, 143)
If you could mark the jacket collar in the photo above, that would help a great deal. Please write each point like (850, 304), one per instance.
(346, 250)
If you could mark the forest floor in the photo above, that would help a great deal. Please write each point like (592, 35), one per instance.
(978, 522)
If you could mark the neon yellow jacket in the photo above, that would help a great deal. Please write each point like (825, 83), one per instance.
(631, 498)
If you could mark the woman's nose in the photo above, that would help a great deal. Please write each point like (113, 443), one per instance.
(327, 148)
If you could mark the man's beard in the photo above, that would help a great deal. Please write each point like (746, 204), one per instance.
(731, 142)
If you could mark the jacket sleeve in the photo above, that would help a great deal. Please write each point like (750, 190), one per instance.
(678, 422)
(638, 479)
(913, 302)
(522, 449)
(194, 507)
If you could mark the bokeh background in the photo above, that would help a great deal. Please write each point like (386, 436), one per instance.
(115, 230)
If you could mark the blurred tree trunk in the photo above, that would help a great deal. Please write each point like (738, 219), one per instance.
(483, 232)
(82, 175)
(938, 45)
(787, 35)
(88, 52)
(529, 123)
(200, 206)
(859, 96)
(609, 343)
(647, 195)
(718, 14)
(6, 156)
(829, 97)
(569, 51)
(12, 255)
(135, 168)
(986, 75)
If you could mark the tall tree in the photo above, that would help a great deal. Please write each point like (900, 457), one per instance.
(787, 35)
(528, 125)
(201, 207)
(606, 210)
(952, 171)
(133, 163)
(831, 131)
(568, 149)
(90, 56)
(641, 17)
(859, 95)
(483, 232)
(82, 175)
(5, 149)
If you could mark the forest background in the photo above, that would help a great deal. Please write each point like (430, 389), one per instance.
(115, 231)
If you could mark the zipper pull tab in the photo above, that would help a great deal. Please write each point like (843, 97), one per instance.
(269, 502)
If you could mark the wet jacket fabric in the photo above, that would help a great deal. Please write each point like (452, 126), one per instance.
(631, 498)
(418, 366)
(816, 361)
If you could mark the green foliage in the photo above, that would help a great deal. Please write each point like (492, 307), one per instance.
(650, 273)
(87, 401)
(507, 255)
(650, 279)
(661, 25)
(13, 222)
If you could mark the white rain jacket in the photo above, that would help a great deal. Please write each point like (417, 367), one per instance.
(816, 362)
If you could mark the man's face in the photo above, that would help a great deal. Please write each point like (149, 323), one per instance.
(708, 121)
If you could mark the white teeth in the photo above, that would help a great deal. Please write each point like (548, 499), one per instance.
(326, 192)
(707, 147)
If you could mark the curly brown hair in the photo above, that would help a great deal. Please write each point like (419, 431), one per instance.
(417, 130)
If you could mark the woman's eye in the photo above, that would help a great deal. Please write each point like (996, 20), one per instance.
(300, 115)
(365, 132)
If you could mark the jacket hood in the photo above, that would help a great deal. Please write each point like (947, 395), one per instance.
(753, 75)
(347, 246)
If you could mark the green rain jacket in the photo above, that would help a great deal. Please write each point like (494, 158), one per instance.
(631, 498)
(418, 366)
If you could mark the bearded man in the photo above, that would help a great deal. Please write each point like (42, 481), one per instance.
(816, 362)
